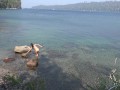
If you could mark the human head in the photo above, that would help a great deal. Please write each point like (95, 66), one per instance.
(31, 45)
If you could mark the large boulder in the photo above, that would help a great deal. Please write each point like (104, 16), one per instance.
(21, 49)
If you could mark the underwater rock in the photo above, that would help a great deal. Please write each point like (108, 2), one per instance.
(57, 54)
(6, 60)
(75, 56)
(21, 49)
(70, 45)
(87, 49)
(44, 53)
(24, 55)
(32, 64)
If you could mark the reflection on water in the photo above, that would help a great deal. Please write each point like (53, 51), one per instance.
(78, 47)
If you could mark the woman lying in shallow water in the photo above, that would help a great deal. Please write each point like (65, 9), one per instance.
(36, 48)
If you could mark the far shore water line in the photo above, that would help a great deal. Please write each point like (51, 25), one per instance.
(87, 11)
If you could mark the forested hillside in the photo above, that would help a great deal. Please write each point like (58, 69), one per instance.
(6, 4)
(92, 6)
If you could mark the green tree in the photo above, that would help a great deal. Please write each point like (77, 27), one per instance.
(10, 4)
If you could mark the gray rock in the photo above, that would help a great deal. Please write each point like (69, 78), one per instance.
(21, 49)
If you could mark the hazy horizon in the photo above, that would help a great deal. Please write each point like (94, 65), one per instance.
(31, 3)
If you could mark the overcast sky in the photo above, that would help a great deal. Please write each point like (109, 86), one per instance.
(30, 3)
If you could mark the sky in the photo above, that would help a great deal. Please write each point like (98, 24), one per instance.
(31, 3)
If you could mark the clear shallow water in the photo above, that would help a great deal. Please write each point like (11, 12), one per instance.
(55, 29)
(69, 37)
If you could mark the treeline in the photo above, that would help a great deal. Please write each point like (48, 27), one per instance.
(92, 6)
(6, 4)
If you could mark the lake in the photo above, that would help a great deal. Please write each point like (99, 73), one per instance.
(74, 43)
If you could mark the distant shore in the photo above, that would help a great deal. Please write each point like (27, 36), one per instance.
(106, 6)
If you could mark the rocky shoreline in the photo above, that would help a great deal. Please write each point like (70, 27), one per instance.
(61, 70)
(3, 72)
(15, 72)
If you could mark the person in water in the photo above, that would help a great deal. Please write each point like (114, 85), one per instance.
(36, 48)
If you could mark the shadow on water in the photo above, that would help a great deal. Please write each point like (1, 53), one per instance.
(73, 73)
(54, 77)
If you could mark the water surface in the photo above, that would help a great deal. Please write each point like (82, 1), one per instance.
(72, 40)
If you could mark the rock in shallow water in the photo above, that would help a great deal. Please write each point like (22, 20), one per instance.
(21, 49)
(32, 64)
(6, 60)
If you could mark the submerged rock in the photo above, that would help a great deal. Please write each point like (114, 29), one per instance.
(32, 64)
(57, 54)
(6, 60)
(24, 55)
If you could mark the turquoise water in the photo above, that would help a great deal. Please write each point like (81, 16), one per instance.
(69, 37)
(54, 29)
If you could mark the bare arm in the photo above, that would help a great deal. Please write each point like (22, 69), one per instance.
(38, 45)
(29, 50)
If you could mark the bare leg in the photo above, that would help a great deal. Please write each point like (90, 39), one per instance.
(37, 55)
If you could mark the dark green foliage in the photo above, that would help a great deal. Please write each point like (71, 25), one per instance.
(115, 87)
(12, 82)
(101, 85)
(4, 4)
(105, 84)
(36, 84)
